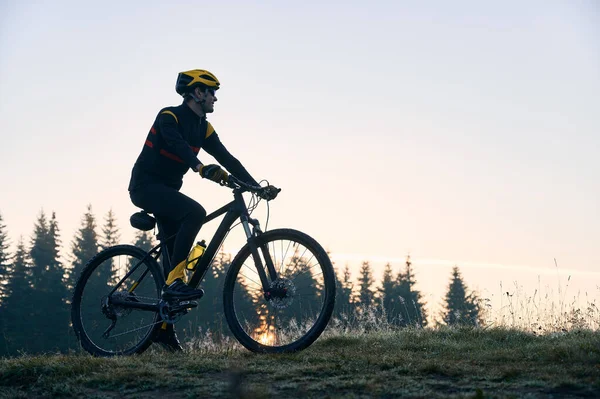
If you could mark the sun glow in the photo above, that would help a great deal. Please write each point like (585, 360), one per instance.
(267, 338)
(265, 333)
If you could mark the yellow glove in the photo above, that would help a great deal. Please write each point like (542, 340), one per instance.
(214, 173)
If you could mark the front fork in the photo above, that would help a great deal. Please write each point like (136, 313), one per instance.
(252, 235)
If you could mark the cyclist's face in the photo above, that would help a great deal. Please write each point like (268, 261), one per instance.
(209, 101)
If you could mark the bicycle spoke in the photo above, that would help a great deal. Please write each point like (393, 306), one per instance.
(137, 329)
(284, 256)
(252, 268)
(249, 279)
(301, 257)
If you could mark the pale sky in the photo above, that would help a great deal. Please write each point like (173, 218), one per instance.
(460, 132)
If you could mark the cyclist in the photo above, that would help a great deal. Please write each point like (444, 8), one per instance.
(170, 150)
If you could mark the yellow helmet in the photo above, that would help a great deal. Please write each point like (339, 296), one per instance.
(189, 80)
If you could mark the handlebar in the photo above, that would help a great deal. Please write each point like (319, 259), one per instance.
(235, 183)
(263, 192)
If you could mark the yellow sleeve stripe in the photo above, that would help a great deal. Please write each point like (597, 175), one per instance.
(170, 113)
(209, 130)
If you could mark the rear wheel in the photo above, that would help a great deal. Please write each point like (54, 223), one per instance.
(295, 309)
(102, 321)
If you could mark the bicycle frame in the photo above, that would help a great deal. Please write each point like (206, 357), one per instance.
(232, 211)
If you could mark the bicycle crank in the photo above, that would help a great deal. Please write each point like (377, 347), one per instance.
(171, 311)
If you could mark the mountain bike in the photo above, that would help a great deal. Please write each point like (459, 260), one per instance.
(278, 294)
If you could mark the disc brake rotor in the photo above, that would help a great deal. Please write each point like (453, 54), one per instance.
(282, 293)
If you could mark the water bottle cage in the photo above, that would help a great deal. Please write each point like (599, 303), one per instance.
(192, 263)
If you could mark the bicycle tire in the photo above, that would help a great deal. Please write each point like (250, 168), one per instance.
(97, 265)
(326, 298)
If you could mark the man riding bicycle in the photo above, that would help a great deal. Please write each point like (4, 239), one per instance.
(171, 148)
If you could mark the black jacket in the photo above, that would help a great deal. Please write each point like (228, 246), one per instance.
(172, 146)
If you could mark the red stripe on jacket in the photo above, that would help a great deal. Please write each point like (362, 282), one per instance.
(171, 156)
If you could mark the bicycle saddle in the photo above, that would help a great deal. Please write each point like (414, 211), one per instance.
(142, 221)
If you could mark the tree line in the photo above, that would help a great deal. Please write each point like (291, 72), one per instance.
(36, 288)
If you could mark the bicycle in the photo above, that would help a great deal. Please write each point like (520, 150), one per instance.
(283, 307)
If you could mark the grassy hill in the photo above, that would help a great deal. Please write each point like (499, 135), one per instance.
(411, 363)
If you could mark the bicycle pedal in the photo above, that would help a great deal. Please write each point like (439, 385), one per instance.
(184, 305)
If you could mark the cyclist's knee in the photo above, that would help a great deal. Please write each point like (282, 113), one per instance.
(197, 214)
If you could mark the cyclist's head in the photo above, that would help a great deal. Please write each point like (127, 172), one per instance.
(199, 85)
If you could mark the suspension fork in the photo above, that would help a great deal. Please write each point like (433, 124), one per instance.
(252, 236)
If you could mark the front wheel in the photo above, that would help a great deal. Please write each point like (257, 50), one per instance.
(295, 308)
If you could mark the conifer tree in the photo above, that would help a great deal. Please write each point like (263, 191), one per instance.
(4, 261)
(17, 309)
(343, 288)
(39, 253)
(49, 324)
(460, 308)
(307, 287)
(411, 307)
(348, 289)
(110, 237)
(366, 295)
(388, 295)
(110, 231)
(144, 240)
(84, 246)
(341, 302)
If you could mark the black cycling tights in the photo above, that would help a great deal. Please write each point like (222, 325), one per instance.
(175, 212)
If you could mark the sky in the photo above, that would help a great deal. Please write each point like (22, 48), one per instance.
(462, 133)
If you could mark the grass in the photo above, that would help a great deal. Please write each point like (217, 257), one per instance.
(545, 310)
(444, 362)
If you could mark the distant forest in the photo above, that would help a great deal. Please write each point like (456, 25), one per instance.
(36, 289)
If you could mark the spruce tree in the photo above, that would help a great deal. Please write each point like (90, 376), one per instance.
(411, 307)
(460, 308)
(366, 295)
(343, 300)
(110, 237)
(17, 309)
(84, 246)
(110, 231)
(49, 330)
(308, 289)
(347, 290)
(345, 305)
(40, 252)
(388, 295)
(144, 240)
(4, 261)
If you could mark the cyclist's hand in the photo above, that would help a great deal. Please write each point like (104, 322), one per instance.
(268, 193)
(214, 173)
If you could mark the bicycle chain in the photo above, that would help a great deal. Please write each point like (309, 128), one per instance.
(136, 329)
(164, 312)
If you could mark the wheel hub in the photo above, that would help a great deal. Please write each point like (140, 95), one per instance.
(281, 293)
